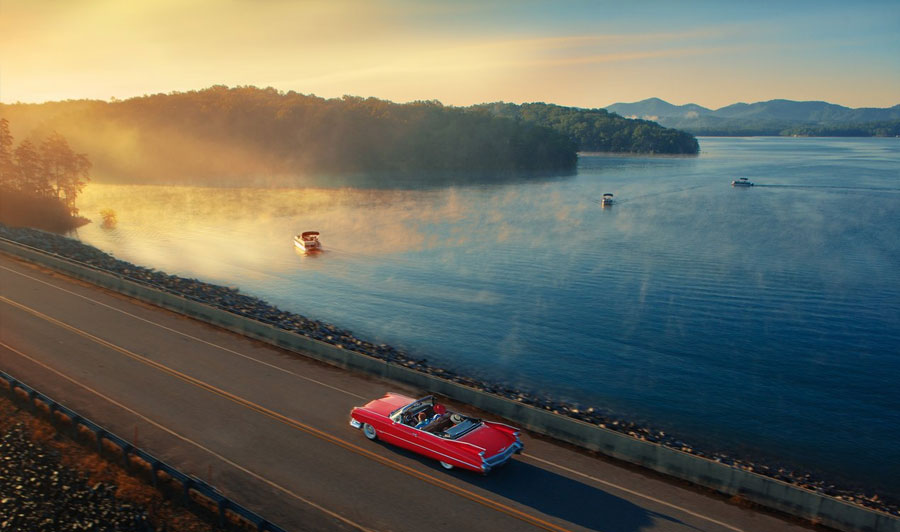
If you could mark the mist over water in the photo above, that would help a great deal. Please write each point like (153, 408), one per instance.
(763, 320)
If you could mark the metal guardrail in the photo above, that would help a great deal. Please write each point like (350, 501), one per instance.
(188, 482)
(143, 282)
(154, 285)
(763, 490)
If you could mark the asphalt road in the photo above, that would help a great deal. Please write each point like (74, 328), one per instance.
(270, 428)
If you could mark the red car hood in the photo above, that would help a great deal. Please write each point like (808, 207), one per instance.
(489, 438)
(388, 403)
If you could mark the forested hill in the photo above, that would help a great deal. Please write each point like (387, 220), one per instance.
(600, 130)
(246, 134)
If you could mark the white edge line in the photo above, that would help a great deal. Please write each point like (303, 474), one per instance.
(188, 440)
(632, 492)
(547, 462)
(248, 357)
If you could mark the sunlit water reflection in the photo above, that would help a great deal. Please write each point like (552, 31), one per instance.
(764, 319)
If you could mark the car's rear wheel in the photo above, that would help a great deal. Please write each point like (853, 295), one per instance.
(369, 431)
(446, 466)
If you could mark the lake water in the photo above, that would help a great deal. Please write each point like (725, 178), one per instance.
(763, 320)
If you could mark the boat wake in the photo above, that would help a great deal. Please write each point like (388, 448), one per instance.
(833, 187)
(654, 194)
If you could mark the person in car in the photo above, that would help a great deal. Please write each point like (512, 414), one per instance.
(423, 419)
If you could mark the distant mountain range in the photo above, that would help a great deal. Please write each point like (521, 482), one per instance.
(774, 117)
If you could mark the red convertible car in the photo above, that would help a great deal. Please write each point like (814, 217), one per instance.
(427, 428)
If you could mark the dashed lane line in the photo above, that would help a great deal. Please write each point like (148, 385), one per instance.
(472, 496)
(186, 335)
(541, 460)
(188, 440)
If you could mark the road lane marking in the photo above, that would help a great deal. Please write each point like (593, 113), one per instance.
(632, 492)
(547, 462)
(472, 496)
(188, 440)
(186, 335)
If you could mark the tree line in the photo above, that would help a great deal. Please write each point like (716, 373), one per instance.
(40, 181)
(776, 128)
(887, 128)
(245, 134)
(599, 130)
(242, 134)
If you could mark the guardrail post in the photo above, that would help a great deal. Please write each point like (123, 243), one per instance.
(154, 466)
(100, 435)
(13, 383)
(126, 450)
(223, 504)
(187, 484)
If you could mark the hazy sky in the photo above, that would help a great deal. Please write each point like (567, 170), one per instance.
(585, 54)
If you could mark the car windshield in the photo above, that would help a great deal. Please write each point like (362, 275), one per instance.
(404, 413)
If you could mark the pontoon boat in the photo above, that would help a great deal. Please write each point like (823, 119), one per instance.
(308, 241)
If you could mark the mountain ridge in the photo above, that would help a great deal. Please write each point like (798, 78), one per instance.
(772, 117)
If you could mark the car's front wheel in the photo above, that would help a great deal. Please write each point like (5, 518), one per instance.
(369, 431)
(446, 466)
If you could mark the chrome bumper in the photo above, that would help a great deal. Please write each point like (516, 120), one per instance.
(502, 457)
(354, 423)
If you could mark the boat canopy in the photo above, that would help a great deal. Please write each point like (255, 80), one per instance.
(607, 194)
(309, 233)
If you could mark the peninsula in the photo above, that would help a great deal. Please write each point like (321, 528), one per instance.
(220, 132)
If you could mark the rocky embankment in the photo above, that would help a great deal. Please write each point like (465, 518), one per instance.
(51, 483)
(39, 494)
(231, 300)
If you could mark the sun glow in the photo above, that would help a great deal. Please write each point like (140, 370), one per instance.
(459, 53)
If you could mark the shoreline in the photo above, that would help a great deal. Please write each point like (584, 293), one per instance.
(231, 300)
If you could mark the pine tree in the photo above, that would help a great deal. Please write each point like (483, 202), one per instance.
(65, 170)
(30, 177)
(7, 163)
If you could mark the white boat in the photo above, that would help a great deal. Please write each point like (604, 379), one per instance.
(308, 241)
(607, 200)
(742, 182)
